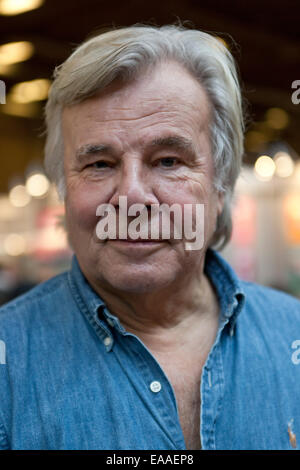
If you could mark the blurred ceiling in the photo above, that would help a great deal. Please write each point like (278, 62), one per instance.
(267, 50)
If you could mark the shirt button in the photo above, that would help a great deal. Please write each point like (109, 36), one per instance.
(107, 341)
(155, 386)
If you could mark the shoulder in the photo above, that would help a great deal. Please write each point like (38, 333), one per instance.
(269, 307)
(263, 295)
(39, 299)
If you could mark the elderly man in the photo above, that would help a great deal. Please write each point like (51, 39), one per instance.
(146, 344)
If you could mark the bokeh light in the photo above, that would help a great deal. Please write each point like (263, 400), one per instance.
(264, 168)
(14, 52)
(277, 118)
(37, 185)
(284, 164)
(19, 196)
(33, 90)
(16, 7)
(14, 244)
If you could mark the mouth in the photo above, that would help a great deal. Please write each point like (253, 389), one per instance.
(138, 247)
(137, 241)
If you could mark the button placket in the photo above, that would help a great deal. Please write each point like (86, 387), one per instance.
(161, 395)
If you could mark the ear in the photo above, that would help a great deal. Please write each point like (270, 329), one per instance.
(220, 202)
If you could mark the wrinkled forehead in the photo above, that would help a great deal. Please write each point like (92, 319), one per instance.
(168, 91)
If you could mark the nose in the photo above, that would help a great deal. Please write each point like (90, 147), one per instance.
(135, 182)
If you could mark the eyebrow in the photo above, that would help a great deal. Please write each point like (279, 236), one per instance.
(92, 149)
(173, 141)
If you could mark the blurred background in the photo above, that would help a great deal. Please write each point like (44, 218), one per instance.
(264, 37)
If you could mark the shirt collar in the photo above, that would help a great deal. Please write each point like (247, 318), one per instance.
(91, 304)
(228, 287)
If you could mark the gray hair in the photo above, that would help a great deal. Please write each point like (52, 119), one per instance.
(124, 53)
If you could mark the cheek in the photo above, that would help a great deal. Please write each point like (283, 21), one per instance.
(188, 189)
(81, 204)
(201, 191)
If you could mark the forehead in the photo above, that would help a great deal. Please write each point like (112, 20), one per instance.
(168, 95)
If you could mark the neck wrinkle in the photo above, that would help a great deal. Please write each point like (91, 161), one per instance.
(165, 316)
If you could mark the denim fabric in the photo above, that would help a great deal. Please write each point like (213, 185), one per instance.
(73, 378)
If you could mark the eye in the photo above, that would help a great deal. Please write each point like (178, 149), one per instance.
(100, 164)
(168, 162)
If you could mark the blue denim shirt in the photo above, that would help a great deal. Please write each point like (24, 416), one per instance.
(73, 378)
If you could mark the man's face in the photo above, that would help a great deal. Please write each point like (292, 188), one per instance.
(148, 140)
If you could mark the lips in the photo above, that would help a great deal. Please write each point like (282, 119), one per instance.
(138, 240)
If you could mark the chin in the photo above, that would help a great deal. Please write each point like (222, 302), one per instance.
(137, 280)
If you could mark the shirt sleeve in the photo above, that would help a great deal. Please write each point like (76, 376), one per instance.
(3, 439)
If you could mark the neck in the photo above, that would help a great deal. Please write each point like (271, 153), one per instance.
(167, 317)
